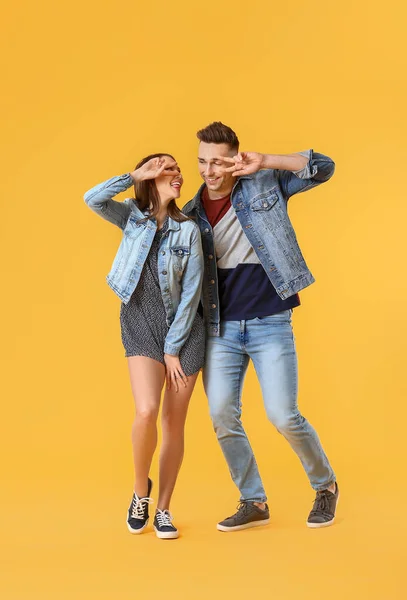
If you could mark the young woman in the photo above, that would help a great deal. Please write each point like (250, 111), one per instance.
(157, 273)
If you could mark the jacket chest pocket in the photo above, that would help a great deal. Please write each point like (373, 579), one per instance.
(264, 201)
(270, 209)
(179, 256)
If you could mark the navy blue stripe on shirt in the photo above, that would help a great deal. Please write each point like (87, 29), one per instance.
(246, 292)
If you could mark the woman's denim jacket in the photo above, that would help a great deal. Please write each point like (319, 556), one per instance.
(180, 259)
(260, 204)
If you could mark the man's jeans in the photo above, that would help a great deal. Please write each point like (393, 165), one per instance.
(269, 342)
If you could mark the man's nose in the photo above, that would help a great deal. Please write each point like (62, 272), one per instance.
(209, 170)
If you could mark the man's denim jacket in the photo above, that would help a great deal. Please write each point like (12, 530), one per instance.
(260, 203)
(180, 260)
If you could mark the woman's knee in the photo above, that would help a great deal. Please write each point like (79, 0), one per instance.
(173, 423)
(146, 415)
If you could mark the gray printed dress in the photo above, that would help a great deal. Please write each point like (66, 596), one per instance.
(143, 319)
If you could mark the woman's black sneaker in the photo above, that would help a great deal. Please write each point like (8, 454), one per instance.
(323, 511)
(247, 515)
(137, 515)
(163, 525)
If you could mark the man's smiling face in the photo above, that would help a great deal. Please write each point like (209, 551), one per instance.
(211, 168)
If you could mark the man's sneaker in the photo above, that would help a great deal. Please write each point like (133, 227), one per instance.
(137, 516)
(323, 511)
(248, 515)
(163, 525)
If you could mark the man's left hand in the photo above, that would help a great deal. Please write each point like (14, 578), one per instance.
(244, 163)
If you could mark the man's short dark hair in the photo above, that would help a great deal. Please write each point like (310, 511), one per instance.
(218, 133)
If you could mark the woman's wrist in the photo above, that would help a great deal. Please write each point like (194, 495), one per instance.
(134, 176)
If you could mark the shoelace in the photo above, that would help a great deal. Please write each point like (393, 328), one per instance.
(322, 503)
(164, 518)
(139, 507)
(243, 507)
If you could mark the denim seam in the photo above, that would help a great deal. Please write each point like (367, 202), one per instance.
(240, 391)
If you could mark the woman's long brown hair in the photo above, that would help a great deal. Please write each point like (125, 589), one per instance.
(147, 194)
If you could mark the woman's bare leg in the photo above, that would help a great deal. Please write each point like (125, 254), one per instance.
(147, 379)
(175, 407)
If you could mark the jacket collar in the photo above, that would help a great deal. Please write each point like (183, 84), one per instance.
(172, 225)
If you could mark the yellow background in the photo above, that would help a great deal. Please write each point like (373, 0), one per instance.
(88, 89)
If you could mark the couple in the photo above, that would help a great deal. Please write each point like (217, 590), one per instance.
(234, 249)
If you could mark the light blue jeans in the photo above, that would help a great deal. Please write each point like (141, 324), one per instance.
(269, 343)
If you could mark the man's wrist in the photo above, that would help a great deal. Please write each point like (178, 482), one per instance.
(267, 161)
(289, 162)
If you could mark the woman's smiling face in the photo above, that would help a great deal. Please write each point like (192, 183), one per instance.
(169, 186)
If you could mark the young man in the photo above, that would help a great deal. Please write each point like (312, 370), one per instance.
(254, 270)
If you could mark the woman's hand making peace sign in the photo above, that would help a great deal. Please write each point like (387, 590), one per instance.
(154, 168)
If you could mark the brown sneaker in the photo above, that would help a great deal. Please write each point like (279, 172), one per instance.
(323, 511)
(247, 515)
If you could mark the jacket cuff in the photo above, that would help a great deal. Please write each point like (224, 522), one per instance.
(171, 349)
(128, 179)
(310, 169)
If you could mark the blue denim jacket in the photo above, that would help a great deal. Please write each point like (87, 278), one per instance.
(260, 203)
(180, 260)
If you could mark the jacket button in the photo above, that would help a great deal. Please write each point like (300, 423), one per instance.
(206, 230)
(265, 204)
(163, 252)
(213, 305)
(180, 252)
(210, 256)
(164, 272)
(212, 281)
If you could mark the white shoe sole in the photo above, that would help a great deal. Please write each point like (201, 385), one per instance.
(328, 524)
(166, 535)
(320, 525)
(220, 527)
(136, 531)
